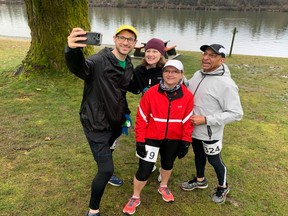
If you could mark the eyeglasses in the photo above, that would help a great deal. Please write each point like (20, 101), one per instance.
(122, 39)
(210, 55)
(172, 71)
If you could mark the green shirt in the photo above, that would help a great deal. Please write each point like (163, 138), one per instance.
(122, 63)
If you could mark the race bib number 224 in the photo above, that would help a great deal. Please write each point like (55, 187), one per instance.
(212, 149)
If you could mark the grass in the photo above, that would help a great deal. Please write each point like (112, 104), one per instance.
(47, 168)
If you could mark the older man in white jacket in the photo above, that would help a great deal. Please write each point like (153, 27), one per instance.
(216, 103)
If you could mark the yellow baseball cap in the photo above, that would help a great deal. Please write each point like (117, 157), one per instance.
(127, 27)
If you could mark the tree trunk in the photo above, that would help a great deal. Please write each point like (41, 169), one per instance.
(50, 22)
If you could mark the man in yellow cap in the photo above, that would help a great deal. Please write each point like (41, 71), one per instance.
(104, 111)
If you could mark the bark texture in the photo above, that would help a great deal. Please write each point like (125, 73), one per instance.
(50, 23)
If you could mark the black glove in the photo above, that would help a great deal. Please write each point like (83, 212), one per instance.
(183, 149)
(140, 148)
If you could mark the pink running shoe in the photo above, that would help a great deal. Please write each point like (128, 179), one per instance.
(130, 207)
(167, 196)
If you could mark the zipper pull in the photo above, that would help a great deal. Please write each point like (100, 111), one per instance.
(209, 131)
(149, 83)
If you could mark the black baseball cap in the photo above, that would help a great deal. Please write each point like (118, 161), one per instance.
(217, 48)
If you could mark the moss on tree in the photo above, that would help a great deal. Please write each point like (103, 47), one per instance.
(50, 23)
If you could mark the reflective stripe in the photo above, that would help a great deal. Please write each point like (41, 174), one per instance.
(165, 120)
(142, 114)
(187, 117)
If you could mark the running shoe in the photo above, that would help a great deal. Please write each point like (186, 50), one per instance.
(220, 196)
(192, 184)
(115, 181)
(96, 214)
(167, 196)
(130, 207)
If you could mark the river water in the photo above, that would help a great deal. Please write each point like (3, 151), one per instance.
(258, 33)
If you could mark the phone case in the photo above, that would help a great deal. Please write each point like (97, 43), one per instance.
(93, 38)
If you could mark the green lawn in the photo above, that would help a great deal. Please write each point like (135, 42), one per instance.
(47, 168)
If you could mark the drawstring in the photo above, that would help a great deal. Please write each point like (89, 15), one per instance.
(199, 84)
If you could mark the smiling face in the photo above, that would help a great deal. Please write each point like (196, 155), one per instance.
(211, 60)
(124, 44)
(171, 76)
(152, 57)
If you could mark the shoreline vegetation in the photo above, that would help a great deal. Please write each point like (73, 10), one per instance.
(205, 5)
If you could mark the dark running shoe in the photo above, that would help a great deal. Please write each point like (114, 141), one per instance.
(220, 196)
(115, 181)
(97, 214)
(193, 184)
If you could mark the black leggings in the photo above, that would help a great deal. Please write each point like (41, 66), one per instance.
(168, 153)
(215, 160)
(100, 143)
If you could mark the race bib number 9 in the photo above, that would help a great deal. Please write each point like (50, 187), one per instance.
(152, 154)
(212, 149)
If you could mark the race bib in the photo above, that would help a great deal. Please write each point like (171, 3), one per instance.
(212, 149)
(152, 154)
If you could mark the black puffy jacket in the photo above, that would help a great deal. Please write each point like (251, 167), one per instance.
(105, 85)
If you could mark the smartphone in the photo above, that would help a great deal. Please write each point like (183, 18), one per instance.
(93, 38)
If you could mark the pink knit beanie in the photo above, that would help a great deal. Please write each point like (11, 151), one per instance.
(157, 44)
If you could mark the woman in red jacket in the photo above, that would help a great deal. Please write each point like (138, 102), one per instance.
(162, 126)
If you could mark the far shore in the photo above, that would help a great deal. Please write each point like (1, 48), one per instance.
(202, 7)
(4, 37)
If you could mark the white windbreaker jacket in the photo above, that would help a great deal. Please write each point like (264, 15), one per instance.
(215, 97)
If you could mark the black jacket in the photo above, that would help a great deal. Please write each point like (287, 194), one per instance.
(141, 77)
(105, 85)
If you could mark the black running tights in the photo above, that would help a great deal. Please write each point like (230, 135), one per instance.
(215, 160)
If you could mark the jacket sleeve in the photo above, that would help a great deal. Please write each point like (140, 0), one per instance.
(142, 118)
(133, 85)
(75, 62)
(188, 127)
(127, 110)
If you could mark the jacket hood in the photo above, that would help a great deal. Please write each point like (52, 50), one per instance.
(222, 70)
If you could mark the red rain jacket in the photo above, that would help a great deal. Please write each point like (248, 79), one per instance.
(163, 115)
